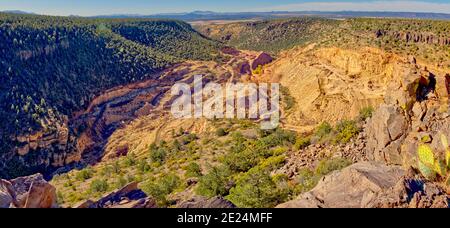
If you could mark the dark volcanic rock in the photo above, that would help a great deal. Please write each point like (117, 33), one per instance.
(262, 59)
(203, 202)
(129, 196)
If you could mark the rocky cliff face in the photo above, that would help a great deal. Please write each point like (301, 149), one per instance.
(416, 37)
(46, 148)
(415, 111)
(331, 84)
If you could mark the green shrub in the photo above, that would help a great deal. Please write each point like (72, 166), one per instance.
(99, 186)
(84, 174)
(302, 143)
(106, 171)
(241, 161)
(176, 146)
(143, 166)
(193, 170)
(237, 142)
(288, 100)
(257, 189)
(68, 183)
(263, 133)
(116, 168)
(131, 178)
(220, 132)
(186, 139)
(278, 138)
(323, 130)
(326, 166)
(60, 198)
(161, 188)
(306, 181)
(120, 182)
(366, 113)
(157, 155)
(245, 154)
(181, 131)
(130, 160)
(272, 163)
(345, 131)
(215, 183)
(193, 147)
(74, 197)
(279, 150)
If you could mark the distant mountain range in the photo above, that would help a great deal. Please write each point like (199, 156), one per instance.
(210, 15)
(16, 12)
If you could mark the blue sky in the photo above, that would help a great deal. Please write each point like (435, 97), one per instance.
(100, 7)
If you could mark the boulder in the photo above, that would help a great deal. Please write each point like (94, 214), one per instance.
(386, 131)
(22, 185)
(6, 194)
(244, 68)
(443, 86)
(41, 195)
(121, 151)
(412, 191)
(261, 60)
(353, 187)
(27, 192)
(141, 203)
(419, 110)
(86, 204)
(130, 196)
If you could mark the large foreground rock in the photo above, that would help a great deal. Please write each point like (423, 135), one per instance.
(353, 187)
(386, 131)
(6, 194)
(27, 192)
(412, 191)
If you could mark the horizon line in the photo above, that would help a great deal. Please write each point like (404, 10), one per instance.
(15, 11)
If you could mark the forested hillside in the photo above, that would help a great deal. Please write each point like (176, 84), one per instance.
(270, 35)
(53, 66)
(428, 40)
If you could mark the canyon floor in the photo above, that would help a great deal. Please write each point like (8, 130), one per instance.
(354, 122)
(326, 85)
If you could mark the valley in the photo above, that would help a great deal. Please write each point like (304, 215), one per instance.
(359, 98)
